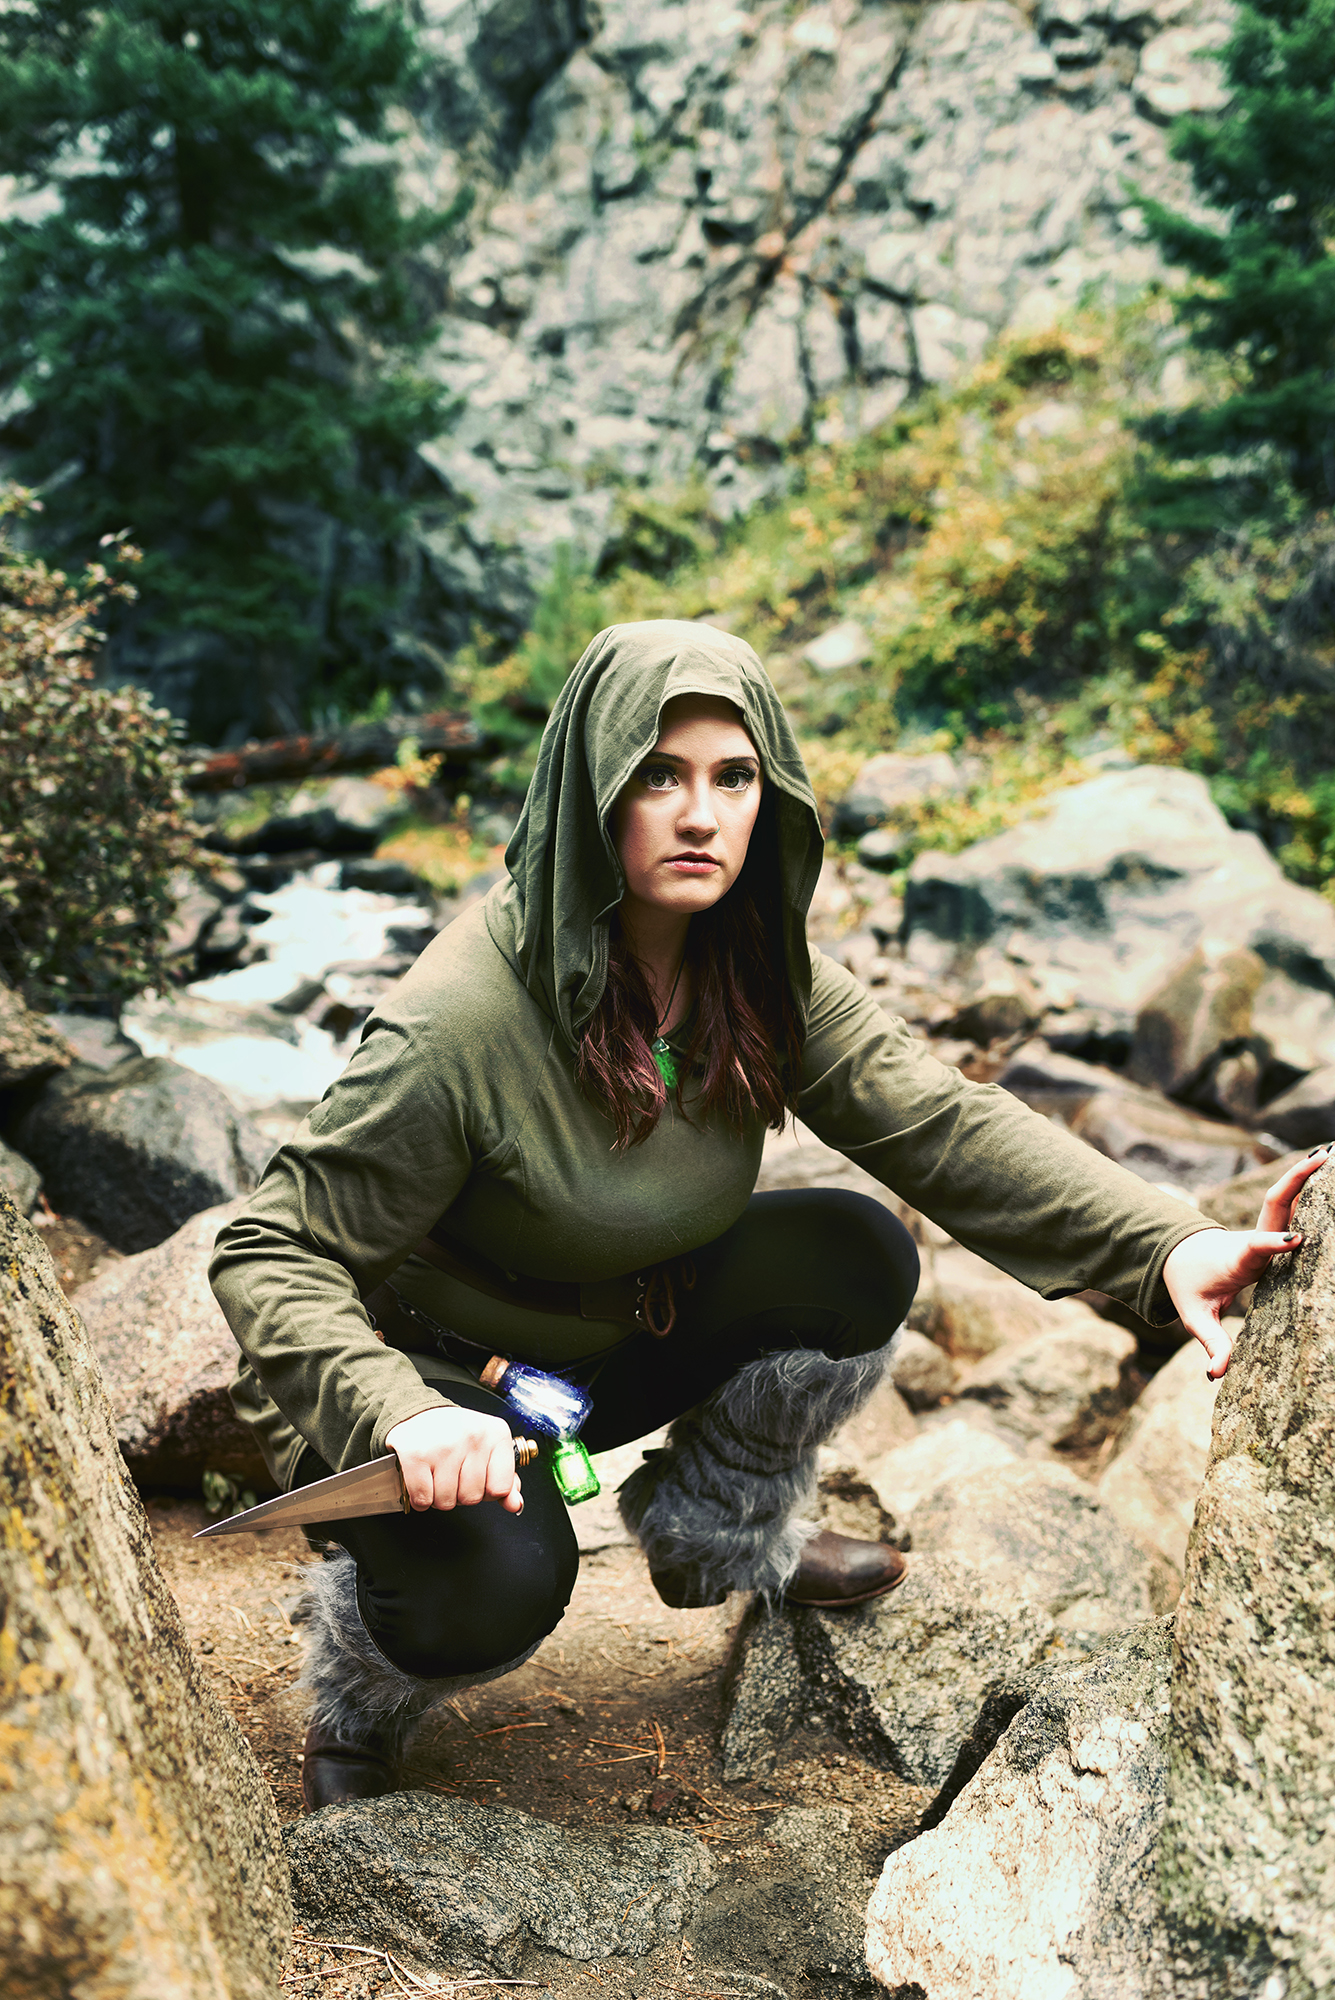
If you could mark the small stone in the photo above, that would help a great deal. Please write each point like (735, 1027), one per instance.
(19, 1178)
(922, 1372)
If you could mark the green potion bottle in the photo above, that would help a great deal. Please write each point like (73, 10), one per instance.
(573, 1472)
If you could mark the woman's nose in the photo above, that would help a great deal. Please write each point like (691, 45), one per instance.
(697, 814)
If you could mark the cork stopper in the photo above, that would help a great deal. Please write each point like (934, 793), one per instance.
(494, 1373)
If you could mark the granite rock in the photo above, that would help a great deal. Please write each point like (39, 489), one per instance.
(1055, 1834)
(922, 1372)
(139, 1848)
(1110, 888)
(1248, 1851)
(970, 1309)
(895, 782)
(167, 1356)
(1038, 1531)
(1304, 1115)
(1236, 1202)
(1066, 1387)
(1153, 1479)
(30, 1045)
(447, 1882)
(697, 231)
(19, 1178)
(951, 1452)
(94, 1039)
(138, 1150)
(899, 1679)
(1164, 1142)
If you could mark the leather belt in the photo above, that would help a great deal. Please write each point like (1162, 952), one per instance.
(639, 1299)
(618, 1299)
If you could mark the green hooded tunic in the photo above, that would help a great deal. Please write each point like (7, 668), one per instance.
(461, 1103)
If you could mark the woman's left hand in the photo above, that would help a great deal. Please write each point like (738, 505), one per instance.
(1204, 1273)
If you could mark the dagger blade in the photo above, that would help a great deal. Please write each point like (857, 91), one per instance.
(376, 1488)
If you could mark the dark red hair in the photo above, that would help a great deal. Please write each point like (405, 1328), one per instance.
(746, 1041)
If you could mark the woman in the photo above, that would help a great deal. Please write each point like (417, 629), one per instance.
(549, 1140)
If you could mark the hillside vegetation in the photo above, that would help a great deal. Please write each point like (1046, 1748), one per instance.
(999, 549)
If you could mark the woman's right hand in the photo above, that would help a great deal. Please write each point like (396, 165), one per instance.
(455, 1458)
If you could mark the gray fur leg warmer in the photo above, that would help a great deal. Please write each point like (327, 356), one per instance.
(356, 1693)
(724, 1501)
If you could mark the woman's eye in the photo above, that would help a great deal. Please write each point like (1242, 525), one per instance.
(658, 777)
(737, 780)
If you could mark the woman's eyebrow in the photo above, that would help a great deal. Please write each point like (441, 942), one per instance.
(669, 757)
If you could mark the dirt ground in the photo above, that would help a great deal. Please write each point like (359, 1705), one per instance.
(614, 1721)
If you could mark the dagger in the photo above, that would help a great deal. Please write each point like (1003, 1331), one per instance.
(376, 1488)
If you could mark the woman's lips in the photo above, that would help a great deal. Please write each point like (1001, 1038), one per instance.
(693, 864)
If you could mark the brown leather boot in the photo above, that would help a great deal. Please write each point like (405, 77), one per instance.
(333, 1772)
(837, 1571)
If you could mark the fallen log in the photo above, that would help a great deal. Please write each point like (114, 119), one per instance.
(365, 746)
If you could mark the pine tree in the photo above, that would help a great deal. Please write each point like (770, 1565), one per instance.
(1265, 292)
(209, 310)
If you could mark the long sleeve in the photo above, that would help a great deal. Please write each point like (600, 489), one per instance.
(1021, 1191)
(338, 1209)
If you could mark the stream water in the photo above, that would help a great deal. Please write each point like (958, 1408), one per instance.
(274, 1034)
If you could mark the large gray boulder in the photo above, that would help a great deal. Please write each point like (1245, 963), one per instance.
(1232, 1034)
(951, 1451)
(338, 815)
(139, 1848)
(900, 1679)
(1249, 1842)
(167, 1356)
(1040, 1880)
(448, 1882)
(971, 1309)
(1113, 886)
(1038, 1531)
(138, 1150)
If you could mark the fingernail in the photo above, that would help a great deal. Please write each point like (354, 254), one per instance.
(1319, 1149)
(1293, 1236)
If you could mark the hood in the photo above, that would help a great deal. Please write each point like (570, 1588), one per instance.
(551, 920)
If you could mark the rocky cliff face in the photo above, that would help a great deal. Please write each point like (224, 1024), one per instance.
(704, 232)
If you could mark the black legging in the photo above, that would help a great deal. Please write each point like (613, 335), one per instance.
(459, 1592)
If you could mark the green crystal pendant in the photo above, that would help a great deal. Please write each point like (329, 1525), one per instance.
(573, 1471)
(664, 1062)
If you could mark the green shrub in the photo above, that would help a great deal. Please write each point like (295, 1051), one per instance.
(92, 812)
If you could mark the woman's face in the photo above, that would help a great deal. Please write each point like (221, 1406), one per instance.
(683, 823)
